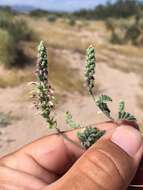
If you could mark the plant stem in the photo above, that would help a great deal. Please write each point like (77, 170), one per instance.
(62, 133)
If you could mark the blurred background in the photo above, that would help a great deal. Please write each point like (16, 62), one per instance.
(68, 27)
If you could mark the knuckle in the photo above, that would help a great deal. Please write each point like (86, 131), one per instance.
(102, 170)
(109, 164)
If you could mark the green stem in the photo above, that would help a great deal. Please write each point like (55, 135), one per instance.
(62, 133)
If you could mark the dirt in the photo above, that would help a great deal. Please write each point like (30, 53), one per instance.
(29, 125)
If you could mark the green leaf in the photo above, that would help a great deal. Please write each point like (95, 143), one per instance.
(104, 98)
(125, 116)
(121, 106)
(89, 136)
(104, 108)
(69, 120)
(101, 102)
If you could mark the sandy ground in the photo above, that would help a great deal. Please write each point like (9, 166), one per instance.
(29, 126)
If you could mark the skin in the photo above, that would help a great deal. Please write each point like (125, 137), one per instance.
(48, 164)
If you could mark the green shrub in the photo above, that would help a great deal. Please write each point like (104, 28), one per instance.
(5, 20)
(110, 24)
(72, 21)
(7, 10)
(4, 119)
(7, 48)
(134, 31)
(125, 31)
(132, 34)
(17, 28)
(114, 9)
(52, 18)
(21, 31)
(116, 39)
(12, 32)
(38, 13)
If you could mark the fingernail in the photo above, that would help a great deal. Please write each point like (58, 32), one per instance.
(127, 138)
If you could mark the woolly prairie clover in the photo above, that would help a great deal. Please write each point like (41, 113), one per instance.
(45, 99)
(90, 69)
(44, 95)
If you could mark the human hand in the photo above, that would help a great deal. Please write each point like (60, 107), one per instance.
(52, 163)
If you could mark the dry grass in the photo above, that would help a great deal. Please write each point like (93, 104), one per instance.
(61, 35)
(61, 75)
(124, 63)
(127, 50)
(15, 77)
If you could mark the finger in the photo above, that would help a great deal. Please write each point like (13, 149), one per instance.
(49, 157)
(109, 164)
(59, 152)
(12, 179)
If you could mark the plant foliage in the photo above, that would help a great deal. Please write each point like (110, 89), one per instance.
(45, 101)
(69, 121)
(101, 102)
(45, 97)
(90, 69)
(89, 136)
(124, 116)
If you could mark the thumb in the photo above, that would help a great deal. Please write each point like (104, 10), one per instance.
(109, 164)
